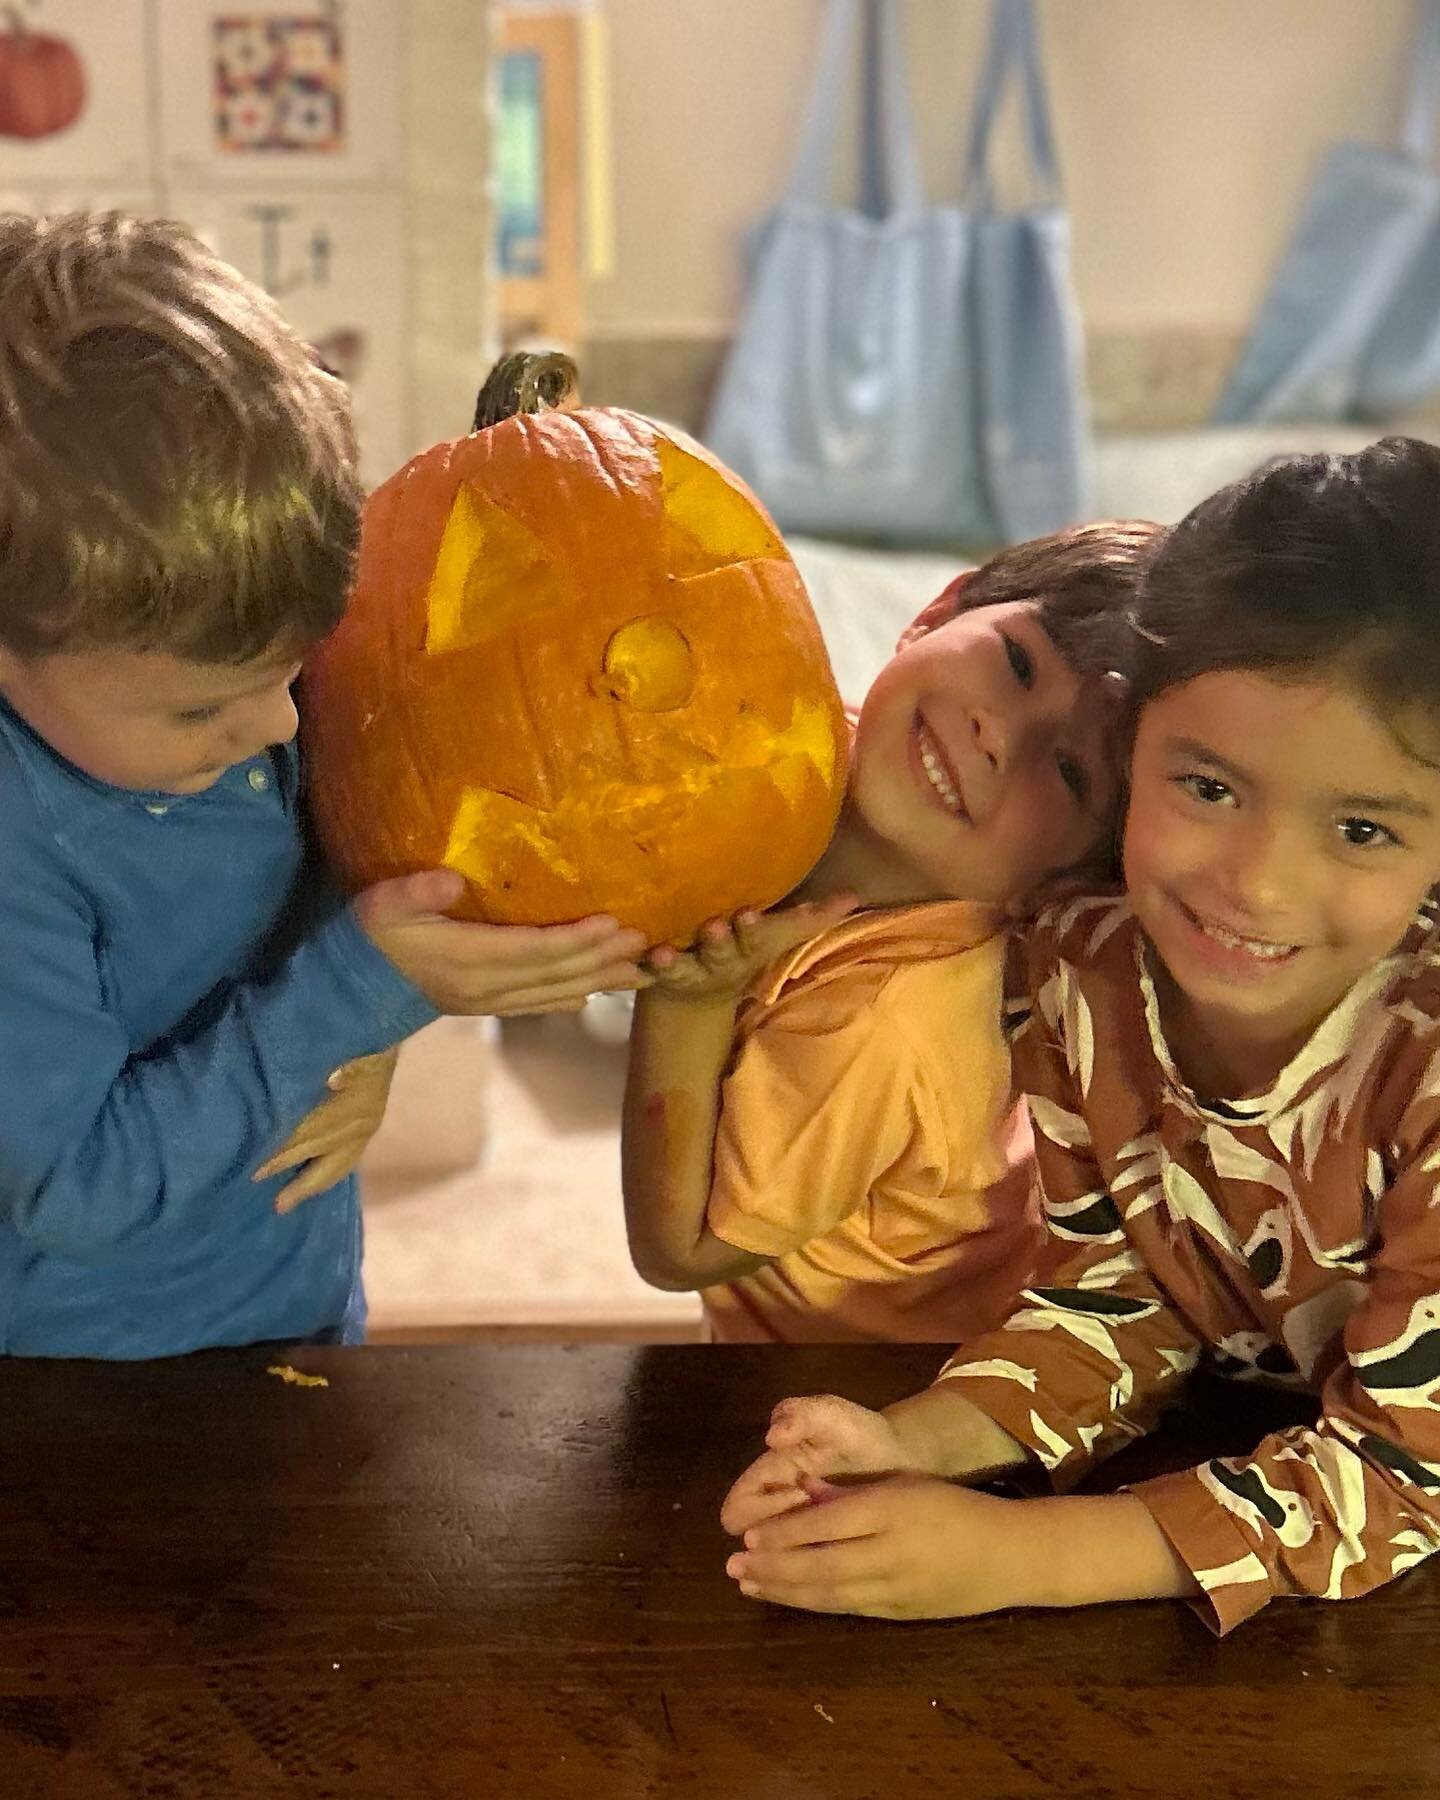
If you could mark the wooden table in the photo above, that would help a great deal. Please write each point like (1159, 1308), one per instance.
(496, 1571)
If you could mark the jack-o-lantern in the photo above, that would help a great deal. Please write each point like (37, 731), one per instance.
(42, 82)
(579, 667)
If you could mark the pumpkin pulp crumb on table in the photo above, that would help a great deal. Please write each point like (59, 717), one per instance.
(295, 1377)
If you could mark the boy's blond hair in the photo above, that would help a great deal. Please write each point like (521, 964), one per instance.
(177, 473)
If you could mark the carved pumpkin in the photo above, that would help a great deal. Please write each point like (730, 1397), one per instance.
(42, 83)
(578, 666)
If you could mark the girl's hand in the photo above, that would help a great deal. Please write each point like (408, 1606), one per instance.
(331, 1137)
(906, 1547)
(729, 953)
(811, 1440)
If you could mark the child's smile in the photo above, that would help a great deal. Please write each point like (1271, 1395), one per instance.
(1279, 843)
(937, 771)
(1239, 954)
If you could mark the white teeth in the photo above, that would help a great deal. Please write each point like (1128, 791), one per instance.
(935, 770)
(1256, 947)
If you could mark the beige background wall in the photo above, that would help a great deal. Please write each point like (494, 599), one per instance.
(448, 143)
(1187, 129)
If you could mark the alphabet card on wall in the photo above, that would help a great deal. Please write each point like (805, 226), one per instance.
(332, 260)
(269, 91)
(74, 99)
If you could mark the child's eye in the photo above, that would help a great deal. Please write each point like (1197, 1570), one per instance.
(1208, 789)
(197, 715)
(1074, 775)
(1022, 664)
(1361, 834)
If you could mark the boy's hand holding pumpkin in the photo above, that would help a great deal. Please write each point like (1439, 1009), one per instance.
(497, 969)
(729, 953)
(330, 1138)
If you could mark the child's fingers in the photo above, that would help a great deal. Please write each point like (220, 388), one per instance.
(290, 1156)
(348, 1136)
(715, 946)
(598, 928)
(841, 1578)
(551, 997)
(806, 1423)
(819, 1491)
(602, 934)
(746, 929)
(769, 1486)
(832, 1564)
(850, 1514)
(322, 1173)
(526, 952)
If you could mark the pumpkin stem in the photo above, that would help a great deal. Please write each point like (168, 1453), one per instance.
(526, 382)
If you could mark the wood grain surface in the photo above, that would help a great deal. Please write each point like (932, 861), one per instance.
(497, 1571)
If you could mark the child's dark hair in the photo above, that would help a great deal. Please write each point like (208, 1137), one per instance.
(1310, 564)
(177, 473)
(1083, 582)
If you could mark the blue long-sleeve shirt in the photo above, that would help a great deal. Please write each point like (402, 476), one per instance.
(175, 987)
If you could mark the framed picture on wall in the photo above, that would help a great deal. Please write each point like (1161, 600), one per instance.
(335, 263)
(536, 109)
(263, 92)
(75, 103)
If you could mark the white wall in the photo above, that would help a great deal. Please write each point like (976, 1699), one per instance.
(1187, 130)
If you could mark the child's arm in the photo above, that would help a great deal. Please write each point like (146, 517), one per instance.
(679, 1047)
(908, 1545)
(914, 1547)
(101, 1142)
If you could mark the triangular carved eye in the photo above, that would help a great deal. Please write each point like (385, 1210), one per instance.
(490, 575)
(708, 522)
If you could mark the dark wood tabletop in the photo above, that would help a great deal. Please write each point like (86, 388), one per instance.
(497, 1571)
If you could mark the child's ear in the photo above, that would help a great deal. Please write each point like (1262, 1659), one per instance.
(939, 612)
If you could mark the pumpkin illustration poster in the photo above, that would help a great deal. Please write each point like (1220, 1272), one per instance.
(42, 79)
(580, 668)
(75, 95)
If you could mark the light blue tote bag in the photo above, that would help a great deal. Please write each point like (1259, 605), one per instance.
(882, 383)
(1401, 367)
(1032, 417)
(1347, 326)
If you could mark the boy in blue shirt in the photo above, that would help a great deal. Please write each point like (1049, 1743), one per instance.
(178, 513)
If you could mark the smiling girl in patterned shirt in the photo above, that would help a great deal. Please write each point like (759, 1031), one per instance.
(1234, 1076)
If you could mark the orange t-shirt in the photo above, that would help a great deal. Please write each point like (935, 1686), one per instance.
(869, 1141)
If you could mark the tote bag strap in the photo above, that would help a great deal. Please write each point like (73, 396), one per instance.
(1013, 49)
(889, 168)
(1417, 115)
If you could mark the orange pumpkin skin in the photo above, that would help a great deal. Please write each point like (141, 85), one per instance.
(42, 84)
(579, 666)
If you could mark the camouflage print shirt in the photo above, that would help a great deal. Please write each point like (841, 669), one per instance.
(1293, 1236)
